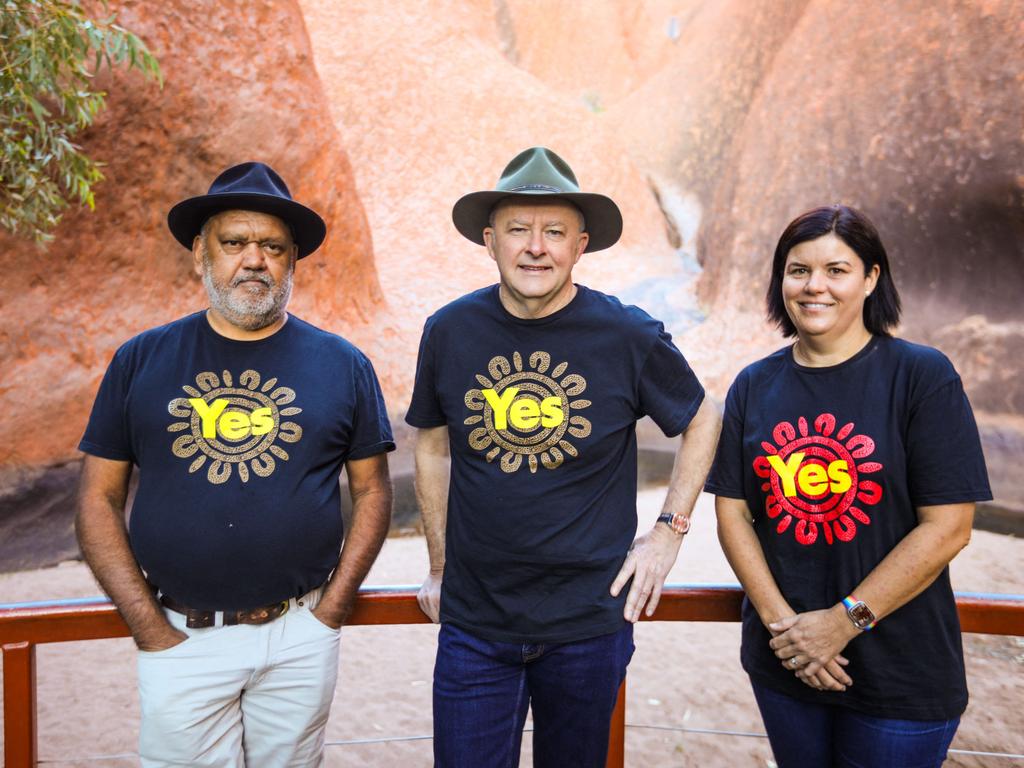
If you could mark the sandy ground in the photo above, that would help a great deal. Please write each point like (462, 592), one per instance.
(683, 676)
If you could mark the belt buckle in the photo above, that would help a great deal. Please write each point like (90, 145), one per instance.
(263, 615)
(195, 619)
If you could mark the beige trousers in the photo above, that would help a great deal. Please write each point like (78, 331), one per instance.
(245, 696)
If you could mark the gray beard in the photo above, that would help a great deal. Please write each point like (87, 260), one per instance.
(252, 311)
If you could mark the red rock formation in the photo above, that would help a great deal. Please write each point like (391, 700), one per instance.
(759, 111)
(430, 107)
(599, 56)
(712, 123)
(240, 85)
(676, 80)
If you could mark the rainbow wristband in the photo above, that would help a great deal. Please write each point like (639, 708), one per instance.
(850, 601)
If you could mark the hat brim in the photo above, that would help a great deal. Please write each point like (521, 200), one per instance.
(187, 217)
(601, 215)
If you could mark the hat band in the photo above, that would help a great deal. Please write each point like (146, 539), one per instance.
(536, 188)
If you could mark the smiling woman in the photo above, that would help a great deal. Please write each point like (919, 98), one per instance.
(824, 287)
(830, 283)
(846, 477)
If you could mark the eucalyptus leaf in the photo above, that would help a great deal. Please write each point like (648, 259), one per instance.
(46, 99)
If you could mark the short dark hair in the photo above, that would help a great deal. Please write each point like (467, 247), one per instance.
(881, 308)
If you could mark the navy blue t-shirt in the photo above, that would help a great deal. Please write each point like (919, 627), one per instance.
(541, 419)
(833, 463)
(239, 446)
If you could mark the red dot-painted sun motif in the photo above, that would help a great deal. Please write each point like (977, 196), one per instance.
(815, 478)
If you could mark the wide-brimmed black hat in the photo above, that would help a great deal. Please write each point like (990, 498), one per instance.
(248, 187)
(539, 172)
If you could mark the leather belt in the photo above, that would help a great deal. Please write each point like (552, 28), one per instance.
(198, 619)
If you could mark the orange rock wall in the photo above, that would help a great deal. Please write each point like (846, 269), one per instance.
(430, 107)
(240, 85)
(712, 123)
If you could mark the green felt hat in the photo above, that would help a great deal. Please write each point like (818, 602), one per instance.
(539, 172)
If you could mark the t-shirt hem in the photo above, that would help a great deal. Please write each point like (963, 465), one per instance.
(894, 711)
(423, 423)
(508, 637)
(956, 497)
(686, 418)
(102, 452)
(384, 446)
(719, 490)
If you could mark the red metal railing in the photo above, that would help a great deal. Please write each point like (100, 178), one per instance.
(25, 626)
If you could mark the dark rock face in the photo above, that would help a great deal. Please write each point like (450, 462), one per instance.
(911, 113)
(36, 518)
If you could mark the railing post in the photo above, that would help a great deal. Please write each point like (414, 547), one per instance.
(20, 705)
(617, 736)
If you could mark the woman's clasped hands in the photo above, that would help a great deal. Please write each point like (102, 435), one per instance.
(810, 645)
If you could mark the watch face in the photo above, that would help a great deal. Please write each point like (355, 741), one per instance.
(861, 615)
(679, 523)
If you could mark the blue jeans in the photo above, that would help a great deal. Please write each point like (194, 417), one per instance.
(482, 690)
(806, 735)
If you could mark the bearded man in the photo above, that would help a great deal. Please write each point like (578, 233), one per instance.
(239, 419)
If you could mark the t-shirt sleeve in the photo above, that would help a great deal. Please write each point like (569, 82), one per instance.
(945, 463)
(669, 391)
(425, 409)
(726, 476)
(371, 429)
(106, 434)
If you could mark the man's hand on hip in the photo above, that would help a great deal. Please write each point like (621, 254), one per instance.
(162, 640)
(649, 560)
(652, 555)
(331, 621)
(429, 596)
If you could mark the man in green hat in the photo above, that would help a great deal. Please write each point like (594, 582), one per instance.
(533, 388)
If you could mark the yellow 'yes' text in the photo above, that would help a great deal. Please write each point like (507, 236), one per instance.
(524, 413)
(234, 425)
(811, 479)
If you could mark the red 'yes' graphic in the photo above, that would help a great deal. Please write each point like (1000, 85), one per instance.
(815, 478)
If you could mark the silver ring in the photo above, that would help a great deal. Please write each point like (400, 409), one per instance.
(792, 662)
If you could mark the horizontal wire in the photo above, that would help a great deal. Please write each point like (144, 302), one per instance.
(379, 740)
(677, 728)
(88, 759)
(748, 734)
(687, 729)
(1009, 755)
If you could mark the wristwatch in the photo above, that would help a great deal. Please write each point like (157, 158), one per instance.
(859, 613)
(678, 523)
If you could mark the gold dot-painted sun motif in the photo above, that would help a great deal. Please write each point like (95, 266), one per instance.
(228, 428)
(527, 412)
